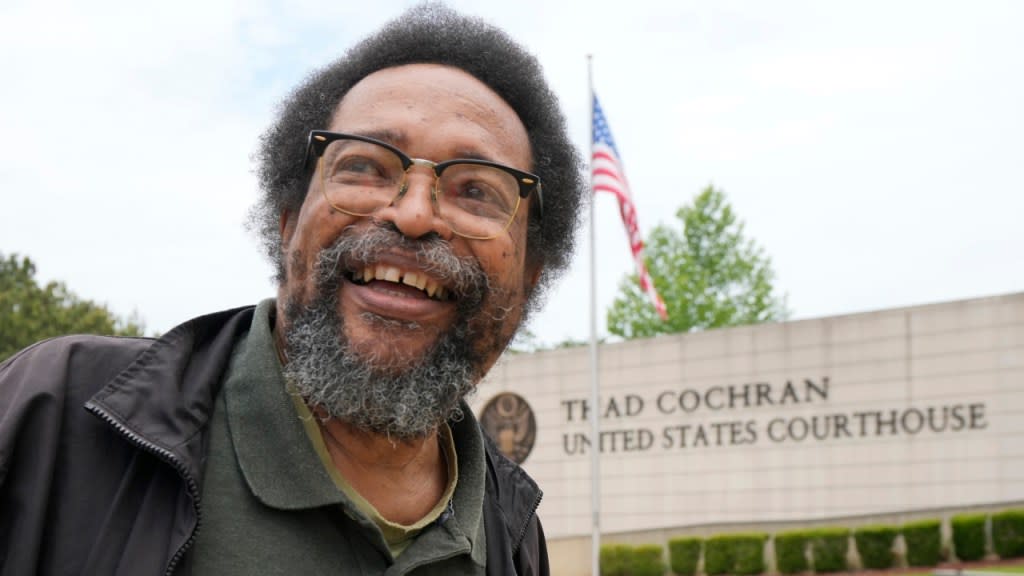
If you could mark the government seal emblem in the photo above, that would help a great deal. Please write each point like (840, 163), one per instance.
(509, 421)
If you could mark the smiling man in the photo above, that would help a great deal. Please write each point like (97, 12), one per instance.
(418, 196)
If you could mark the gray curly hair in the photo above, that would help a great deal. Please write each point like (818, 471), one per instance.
(431, 33)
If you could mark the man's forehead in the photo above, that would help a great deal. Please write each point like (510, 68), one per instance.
(423, 73)
(390, 103)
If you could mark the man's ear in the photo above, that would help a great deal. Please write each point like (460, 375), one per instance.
(287, 228)
(532, 276)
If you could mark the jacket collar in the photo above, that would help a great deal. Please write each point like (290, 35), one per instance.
(165, 397)
(512, 495)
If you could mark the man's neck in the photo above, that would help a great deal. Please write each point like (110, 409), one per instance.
(403, 480)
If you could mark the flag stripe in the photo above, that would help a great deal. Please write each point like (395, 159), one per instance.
(606, 172)
(608, 176)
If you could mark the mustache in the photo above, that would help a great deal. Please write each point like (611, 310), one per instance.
(355, 249)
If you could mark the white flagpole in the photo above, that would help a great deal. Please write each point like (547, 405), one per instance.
(595, 426)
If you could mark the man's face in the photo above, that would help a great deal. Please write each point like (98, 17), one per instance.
(435, 113)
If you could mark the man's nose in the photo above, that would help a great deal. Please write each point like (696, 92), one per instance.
(413, 211)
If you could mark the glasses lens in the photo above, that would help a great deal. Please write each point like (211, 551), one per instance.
(360, 177)
(477, 200)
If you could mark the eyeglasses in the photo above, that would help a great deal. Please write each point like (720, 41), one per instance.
(477, 198)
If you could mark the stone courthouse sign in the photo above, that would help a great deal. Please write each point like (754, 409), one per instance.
(883, 412)
(744, 429)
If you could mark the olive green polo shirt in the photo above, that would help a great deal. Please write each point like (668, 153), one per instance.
(398, 536)
(270, 507)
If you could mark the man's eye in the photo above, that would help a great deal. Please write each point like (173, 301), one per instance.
(360, 170)
(478, 198)
(358, 165)
(475, 191)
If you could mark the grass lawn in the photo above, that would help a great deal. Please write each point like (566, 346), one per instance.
(1018, 569)
(1005, 569)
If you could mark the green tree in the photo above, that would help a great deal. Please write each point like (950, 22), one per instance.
(707, 272)
(30, 312)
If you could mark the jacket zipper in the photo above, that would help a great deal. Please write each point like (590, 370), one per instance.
(168, 457)
(526, 525)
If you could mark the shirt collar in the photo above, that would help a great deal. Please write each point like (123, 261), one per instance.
(274, 454)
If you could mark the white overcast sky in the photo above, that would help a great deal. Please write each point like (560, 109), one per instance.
(874, 149)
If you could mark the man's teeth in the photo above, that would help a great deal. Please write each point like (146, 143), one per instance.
(413, 279)
(393, 274)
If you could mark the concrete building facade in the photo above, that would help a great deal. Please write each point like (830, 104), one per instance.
(886, 412)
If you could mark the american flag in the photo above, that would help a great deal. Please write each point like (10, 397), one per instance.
(608, 176)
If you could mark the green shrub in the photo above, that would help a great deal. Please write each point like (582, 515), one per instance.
(717, 556)
(790, 551)
(647, 561)
(739, 554)
(683, 554)
(615, 559)
(748, 554)
(874, 544)
(924, 542)
(828, 549)
(1008, 533)
(969, 536)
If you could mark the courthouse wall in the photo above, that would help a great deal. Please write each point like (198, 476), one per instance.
(891, 411)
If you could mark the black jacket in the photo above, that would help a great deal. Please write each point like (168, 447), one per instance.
(102, 445)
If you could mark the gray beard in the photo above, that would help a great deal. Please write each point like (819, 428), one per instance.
(406, 397)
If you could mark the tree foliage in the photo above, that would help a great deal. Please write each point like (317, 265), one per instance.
(30, 312)
(707, 272)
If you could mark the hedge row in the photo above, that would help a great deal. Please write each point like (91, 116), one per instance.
(790, 552)
(739, 554)
(828, 549)
(625, 560)
(1008, 533)
(875, 546)
(969, 536)
(924, 542)
(825, 550)
(683, 555)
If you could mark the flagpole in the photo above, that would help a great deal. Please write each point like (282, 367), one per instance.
(595, 426)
